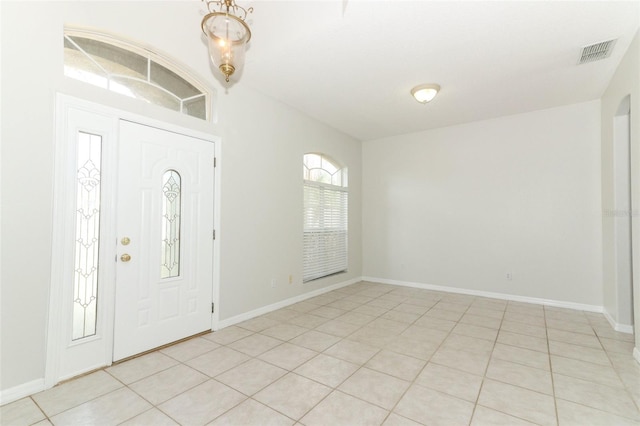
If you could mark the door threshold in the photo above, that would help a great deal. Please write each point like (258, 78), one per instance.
(129, 358)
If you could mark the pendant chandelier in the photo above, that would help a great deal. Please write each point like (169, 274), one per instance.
(227, 33)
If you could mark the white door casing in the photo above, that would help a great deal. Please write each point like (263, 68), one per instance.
(152, 311)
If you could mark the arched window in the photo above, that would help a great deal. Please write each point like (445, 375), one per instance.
(134, 72)
(326, 202)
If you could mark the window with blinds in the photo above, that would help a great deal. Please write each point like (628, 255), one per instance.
(326, 201)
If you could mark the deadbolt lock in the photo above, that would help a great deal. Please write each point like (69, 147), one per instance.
(125, 241)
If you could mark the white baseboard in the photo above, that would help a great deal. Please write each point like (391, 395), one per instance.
(622, 328)
(17, 392)
(26, 389)
(636, 354)
(503, 296)
(29, 388)
(283, 303)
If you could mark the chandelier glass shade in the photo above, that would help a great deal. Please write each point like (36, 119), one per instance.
(227, 34)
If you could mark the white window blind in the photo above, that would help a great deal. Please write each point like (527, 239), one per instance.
(325, 229)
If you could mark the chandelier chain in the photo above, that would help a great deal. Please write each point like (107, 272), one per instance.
(230, 5)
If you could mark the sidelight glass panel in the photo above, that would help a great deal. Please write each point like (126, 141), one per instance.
(171, 189)
(87, 237)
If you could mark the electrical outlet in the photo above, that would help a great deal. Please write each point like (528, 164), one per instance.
(273, 282)
(509, 276)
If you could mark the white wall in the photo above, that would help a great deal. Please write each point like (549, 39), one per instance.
(262, 201)
(625, 82)
(261, 165)
(463, 206)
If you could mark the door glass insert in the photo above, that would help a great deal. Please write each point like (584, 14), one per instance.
(171, 188)
(87, 236)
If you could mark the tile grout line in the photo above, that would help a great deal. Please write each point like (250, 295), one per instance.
(413, 382)
(548, 314)
(617, 373)
(484, 376)
(553, 383)
(369, 359)
(46, 417)
(335, 389)
(293, 372)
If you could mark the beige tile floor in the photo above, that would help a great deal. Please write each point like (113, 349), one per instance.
(368, 354)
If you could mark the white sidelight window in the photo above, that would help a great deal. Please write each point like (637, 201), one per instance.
(87, 235)
(326, 201)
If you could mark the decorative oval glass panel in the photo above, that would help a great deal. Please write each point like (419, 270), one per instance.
(171, 218)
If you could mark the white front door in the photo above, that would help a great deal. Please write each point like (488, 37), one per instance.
(116, 179)
(164, 226)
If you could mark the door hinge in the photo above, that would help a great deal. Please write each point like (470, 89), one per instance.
(214, 234)
(213, 305)
(215, 162)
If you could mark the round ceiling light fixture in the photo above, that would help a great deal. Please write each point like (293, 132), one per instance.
(425, 92)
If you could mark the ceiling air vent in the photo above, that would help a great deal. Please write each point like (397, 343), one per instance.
(595, 52)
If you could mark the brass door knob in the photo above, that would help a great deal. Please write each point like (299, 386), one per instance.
(125, 257)
(125, 241)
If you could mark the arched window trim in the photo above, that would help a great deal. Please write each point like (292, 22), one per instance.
(152, 56)
(340, 171)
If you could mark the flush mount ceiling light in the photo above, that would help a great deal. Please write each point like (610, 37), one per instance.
(425, 92)
(228, 34)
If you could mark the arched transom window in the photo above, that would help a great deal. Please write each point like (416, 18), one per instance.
(132, 71)
(326, 202)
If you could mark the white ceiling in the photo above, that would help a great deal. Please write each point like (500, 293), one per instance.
(353, 68)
